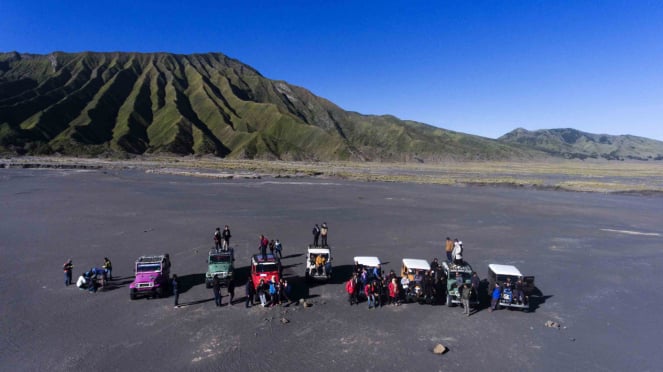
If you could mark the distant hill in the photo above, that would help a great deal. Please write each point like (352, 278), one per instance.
(139, 103)
(571, 143)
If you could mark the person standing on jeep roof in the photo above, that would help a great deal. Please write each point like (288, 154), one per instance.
(449, 247)
(67, 267)
(216, 288)
(316, 235)
(217, 238)
(226, 237)
(278, 247)
(250, 292)
(176, 293)
(457, 250)
(263, 246)
(323, 233)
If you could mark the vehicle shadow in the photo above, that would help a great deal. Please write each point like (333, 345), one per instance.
(292, 255)
(114, 284)
(341, 274)
(300, 289)
(290, 266)
(536, 300)
(186, 282)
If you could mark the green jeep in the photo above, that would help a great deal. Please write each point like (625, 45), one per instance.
(219, 263)
(450, 272)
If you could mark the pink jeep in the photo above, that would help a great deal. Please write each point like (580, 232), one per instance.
(152, 277)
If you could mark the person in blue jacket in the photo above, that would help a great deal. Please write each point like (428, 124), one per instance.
(495, 297)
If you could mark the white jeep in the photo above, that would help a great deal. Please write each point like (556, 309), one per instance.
(318, 263)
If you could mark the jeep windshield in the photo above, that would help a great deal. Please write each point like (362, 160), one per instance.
(144, 268)
(219, 258)
(266, 267)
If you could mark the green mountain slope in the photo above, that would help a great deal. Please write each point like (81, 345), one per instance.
(138, 103)
(571, 143)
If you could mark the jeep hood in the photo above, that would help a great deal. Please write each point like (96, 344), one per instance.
(218, 267)
(146, 277)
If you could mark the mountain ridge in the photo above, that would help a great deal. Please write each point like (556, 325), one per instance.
(96, 103)
(575, 144)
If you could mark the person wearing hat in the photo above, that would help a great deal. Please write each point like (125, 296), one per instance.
(497, 292)
(67, 267)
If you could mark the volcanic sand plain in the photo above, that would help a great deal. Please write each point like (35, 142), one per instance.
(596, 258)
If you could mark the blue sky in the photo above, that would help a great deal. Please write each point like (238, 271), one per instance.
(479, 67)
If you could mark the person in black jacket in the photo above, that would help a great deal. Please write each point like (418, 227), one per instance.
(250, 292)
(176, 293)
(226, 238)
(216, 288)
(316, 235)
(231, 290)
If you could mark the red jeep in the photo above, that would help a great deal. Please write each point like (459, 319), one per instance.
(265, 268)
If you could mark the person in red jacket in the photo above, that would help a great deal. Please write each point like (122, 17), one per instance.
(350, 287)
(369, 289)
(393, 292)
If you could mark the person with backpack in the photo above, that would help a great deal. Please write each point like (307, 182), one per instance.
(316, 235)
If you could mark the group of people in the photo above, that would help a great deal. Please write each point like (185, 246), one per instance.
(321, 262)
(271, 293)
(275, 247)
(515, 293)
(222, 238)
(216, 289)
(371, 283)
(92, 279)
(426, 286)
(454, 250)
(320, 232)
